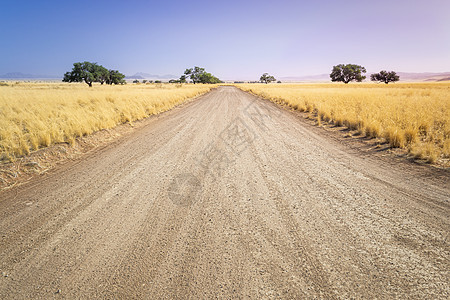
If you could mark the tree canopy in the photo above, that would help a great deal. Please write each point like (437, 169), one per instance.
(347, 73)
(266, 78)
(199, 75)
(92, 72)
(385, 76)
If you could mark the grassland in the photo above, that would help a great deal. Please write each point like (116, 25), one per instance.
(413, 116)
(36, 115)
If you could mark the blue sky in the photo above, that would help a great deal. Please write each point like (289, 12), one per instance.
(231, 39)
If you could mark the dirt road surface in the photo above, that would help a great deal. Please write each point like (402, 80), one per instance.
(228, 196)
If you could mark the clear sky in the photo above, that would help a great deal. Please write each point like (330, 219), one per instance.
(231, 39)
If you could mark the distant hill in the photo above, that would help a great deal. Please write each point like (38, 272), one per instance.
(134, 77)
(423, 76)
(141, 75)
(18, 75)
(320, 77)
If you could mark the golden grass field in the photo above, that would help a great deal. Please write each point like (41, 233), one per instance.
(414, 116)
(35, 115)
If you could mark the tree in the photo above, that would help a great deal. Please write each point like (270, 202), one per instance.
(208, 78)
(266, 78)
(385, 76)
(101, 74)
(84, 71)
(199, 75)
(194, 74)
(347, 73)
(115, 77)
(92, 72)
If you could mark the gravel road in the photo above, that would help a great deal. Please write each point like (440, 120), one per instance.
(228, 196)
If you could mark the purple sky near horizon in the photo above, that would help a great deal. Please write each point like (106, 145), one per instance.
(231, 39)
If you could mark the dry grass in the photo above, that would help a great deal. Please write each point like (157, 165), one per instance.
(35, 115)
(414, 116)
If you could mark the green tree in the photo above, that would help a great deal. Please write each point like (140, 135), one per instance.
(347, 73)
(101, 74)
(266, 78)
(115, 77)
(84, 71)
(92, 72)
(194, 74)
(385, 76)
(199, 75)
(208, 78)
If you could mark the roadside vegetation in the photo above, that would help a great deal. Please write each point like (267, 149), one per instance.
(413, 116)
(36, 115)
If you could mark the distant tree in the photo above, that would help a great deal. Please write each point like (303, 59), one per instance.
(385, 76)
(194, 74)
(82, 71)
(115, 77)
(101, 73)
(173, 81)
(347, 73)
(144, 81)
(266, 78)
(92, 72)
(135, 81)
(209, 78)
(158, 81)
(278, 81)
(199, 75)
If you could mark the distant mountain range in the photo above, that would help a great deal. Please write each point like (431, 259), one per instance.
(424, 76)
(320, 77)
(141, 75)
(404, 76)
(18, 75)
